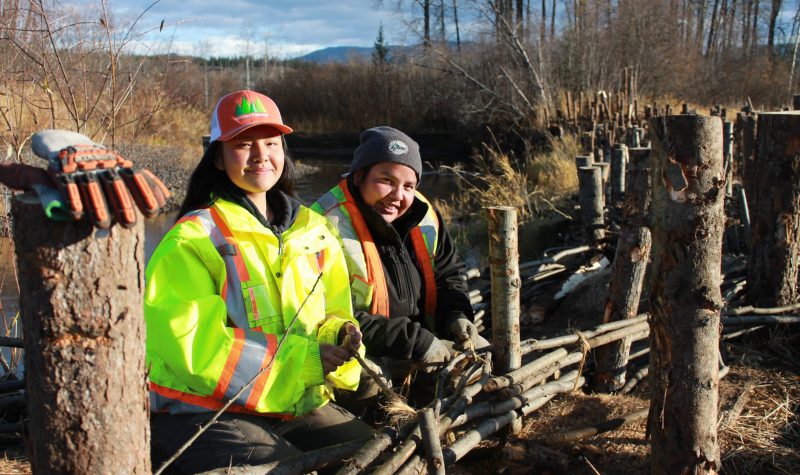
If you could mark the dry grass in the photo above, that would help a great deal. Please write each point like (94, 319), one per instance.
(14, 462)
(537, 186)
(531, 184)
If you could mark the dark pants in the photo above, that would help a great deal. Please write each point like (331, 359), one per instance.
(239, 439)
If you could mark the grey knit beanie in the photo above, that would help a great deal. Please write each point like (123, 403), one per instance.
(385, 144)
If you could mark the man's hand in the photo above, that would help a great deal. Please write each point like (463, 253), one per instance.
(94, 181)
(465, 332)
(350, 338)
(332, 357)
(438, 353)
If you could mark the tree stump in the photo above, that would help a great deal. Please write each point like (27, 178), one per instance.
(627, 272)
(774, 262)
(590, 184)
(687, 228)
(84, 336)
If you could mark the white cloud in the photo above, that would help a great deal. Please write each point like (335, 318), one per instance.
(288, 28)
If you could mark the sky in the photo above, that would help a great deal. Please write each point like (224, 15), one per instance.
(280, 29)
(283, 28)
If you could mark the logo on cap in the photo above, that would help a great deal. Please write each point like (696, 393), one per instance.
(398, 147)
(247, 107)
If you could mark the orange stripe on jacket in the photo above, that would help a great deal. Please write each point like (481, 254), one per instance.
(209, 403)
(427, 270)
(244, 275)
(380, 294)
(230, 365)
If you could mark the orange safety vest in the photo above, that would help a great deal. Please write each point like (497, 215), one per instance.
(367, 280)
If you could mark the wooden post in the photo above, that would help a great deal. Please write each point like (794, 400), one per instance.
(506, 283)
(748, 141)
(591, 200)
(627, 272)
(774, 262)
(584, 161)
(84, 336)
(605, 172)
(744, 213)
(599, 155)
(687, 228)
(619, 158)
(796, 102)
(727, 153)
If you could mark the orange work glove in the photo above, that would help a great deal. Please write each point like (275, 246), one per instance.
(96, 182)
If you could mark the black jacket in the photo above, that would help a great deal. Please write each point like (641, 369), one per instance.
(403, 336)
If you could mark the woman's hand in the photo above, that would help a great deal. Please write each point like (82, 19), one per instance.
(332, 357)
(350, 338)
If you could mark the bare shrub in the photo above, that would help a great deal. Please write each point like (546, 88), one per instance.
(533, 184)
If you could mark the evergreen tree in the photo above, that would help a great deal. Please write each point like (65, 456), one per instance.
(381, 54)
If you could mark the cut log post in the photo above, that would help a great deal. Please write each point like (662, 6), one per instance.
(584, 161)
(619, 160)
(627, 272)
(774, 262)
(688, 195)
(605, 172)
(727, 153)
(587, 142)
(506, 283)
(84, 341)
(744, 213)
(599, 155)
(796, 102)
(591, 200)
(748, 142)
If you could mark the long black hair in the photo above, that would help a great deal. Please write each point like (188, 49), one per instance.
(207, 182)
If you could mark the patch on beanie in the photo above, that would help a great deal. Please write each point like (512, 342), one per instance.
(398, 147)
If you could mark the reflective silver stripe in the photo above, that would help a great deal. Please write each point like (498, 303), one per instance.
(429, 226)
(326, 203)
(234, 298)
(159, 403)
(354, 256)
(252, 356)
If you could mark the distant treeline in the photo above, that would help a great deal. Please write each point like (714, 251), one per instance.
(57, 69)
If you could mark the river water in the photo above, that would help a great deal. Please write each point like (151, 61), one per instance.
(326, 173)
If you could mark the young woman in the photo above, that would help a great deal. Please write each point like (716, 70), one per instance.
(249, 290)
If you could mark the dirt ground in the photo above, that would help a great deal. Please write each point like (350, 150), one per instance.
(763, 381)
(764, 378)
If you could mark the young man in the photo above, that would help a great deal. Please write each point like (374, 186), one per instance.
(408, 284)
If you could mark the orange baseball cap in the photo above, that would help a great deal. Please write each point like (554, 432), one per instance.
(240, 110)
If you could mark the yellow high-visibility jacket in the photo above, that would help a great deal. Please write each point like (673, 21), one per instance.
(221, 291)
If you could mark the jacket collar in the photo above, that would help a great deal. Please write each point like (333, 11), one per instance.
(378, 226)
(284, 211)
